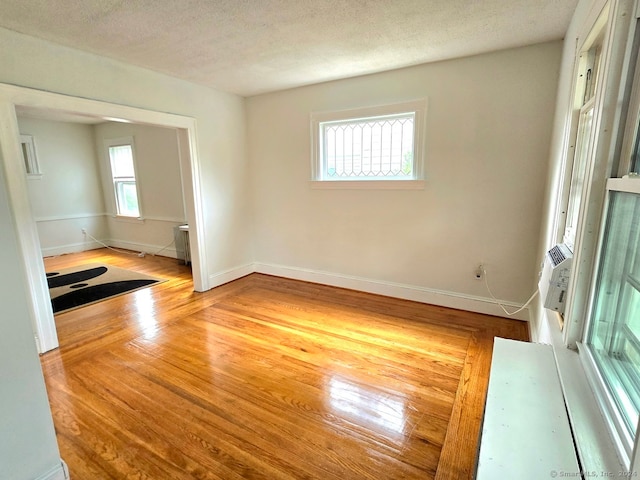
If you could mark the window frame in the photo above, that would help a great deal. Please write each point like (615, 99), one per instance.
(416, 182)
(587, 99)
(30, 157)
(619, 79)
(598, 167)
(113, 180)
(623, 441)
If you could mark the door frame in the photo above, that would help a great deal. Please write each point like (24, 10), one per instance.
(16, 186)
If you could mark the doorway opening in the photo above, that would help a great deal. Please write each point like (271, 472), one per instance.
(15, 101)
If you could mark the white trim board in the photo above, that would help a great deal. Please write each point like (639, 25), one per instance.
(226, 276)
(535, 445)
(180, 221)
(143, 247)
(594, 443)
(407, 292)
(70, 248)
(147, 248)
(77, 216)
(59, 472)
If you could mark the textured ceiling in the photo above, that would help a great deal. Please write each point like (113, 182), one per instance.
(255, 46)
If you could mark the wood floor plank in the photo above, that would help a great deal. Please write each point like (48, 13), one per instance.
(305, 407)
(266, 378)
(459, 452)
(161, 430)
(384, 332)
(358, 356)
(457, 459)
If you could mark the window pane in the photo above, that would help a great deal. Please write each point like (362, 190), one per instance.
(635, 157)
(635, 160)
(29, 155)
(25, 157)
(127, 198)
(578, 175)
(614, 333)
(380, 147)
(122, 161)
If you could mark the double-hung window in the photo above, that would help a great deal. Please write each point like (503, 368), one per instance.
(375, 145)
(603, 308)
(589, 73)
(123, 176)
(612, 334)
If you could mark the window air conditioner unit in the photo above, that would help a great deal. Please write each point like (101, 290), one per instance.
(555, 277)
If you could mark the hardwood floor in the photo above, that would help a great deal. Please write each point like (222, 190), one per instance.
(266, 378)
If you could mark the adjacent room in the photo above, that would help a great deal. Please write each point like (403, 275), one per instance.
(72, 195)
(372, 239)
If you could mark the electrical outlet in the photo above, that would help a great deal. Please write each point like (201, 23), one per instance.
(479, 272)
(84, 231)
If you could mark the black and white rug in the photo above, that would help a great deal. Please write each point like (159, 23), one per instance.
(78, 286)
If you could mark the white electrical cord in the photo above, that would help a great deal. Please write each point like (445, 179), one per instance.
(126, 252)
(486, 282)
(164, 248)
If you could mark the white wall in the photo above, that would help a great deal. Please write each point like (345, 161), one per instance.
(34, 63)
(159, 183)
(488, 138)
(488, 132)
(68, 196)
(75, 191)
(30, 450)
(28, 446)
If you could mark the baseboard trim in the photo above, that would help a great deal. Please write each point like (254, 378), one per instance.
(69, 248)
(407, 292)
(59, 472)
(226, 276)
(92, 245)
(143, 247)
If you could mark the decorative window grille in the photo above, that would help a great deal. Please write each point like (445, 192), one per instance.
(377, 147)
(376, 143)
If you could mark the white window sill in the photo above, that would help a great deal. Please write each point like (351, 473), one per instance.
(594, 444)
(368, 184)
(124, 218)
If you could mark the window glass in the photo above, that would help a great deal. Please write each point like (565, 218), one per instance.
(124, 180)
(127, 197)
(29, 156)
(614, 333)
(580, 161)
(122, 161)
(635, 160)
(369, 147)
(381, 147)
